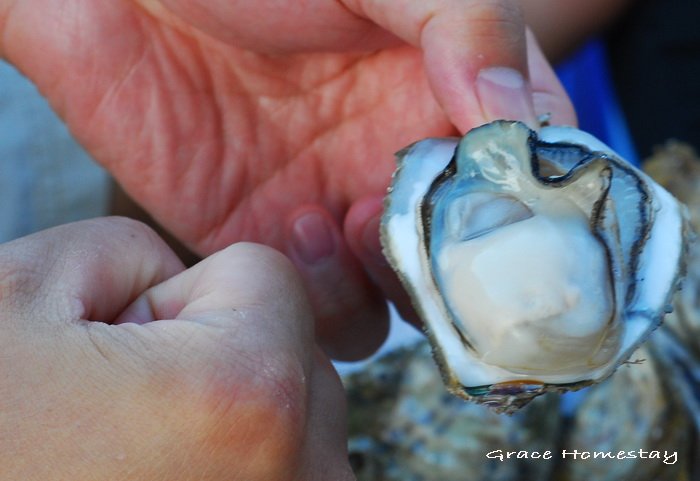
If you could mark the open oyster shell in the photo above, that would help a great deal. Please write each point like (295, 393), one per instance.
(536, 263)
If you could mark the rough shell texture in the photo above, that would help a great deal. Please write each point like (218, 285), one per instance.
(676, 166)
(405, 426)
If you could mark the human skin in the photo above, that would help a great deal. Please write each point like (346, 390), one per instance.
(119, 364)
(562, 25)
(276, 122)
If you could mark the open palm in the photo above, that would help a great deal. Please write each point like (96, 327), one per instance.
(232, 120)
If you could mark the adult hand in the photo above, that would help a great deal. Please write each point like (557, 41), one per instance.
(204, 374)
(277, 121)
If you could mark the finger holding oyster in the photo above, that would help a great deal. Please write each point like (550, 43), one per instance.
(537, 263)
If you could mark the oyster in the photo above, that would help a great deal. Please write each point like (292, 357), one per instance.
(536, 263)
(402, 426)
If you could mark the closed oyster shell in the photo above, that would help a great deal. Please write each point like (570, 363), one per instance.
(403, 425)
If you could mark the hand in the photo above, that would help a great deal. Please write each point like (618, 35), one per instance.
(276, 122)
(204, 374)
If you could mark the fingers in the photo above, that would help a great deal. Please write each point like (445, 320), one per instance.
(238, 343)
(476, 58)
(220, 374)
(49, 283)
(362, 234)
(474, 52)
(241, 280)
(351, 316)
(86, 270)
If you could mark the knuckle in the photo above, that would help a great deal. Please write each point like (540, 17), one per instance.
(123, 228)
(107, 236)
(267, 271)
(496, 18)
(19, 284)
(267, 258)
(22, 272)
(493, 30)
(496, 11)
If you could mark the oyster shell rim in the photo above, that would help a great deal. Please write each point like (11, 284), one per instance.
(508, 395)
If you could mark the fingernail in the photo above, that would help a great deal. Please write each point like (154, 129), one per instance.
(504, 94)
(371, 242)
(312, 238)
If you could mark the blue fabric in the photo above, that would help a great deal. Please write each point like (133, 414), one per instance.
(46, 178)
(586, 78)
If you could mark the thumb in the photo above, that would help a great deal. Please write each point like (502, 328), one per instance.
(236, 334)
(218, 372)
(474, 52)
(246, 290)
(476, 56)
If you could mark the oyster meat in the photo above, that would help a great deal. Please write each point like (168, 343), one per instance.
(537, 263)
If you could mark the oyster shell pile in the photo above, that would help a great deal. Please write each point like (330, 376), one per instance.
(537, 263)
(404, 426)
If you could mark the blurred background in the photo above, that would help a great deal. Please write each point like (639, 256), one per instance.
(632, 69)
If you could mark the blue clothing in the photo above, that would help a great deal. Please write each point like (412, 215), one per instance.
(586, 78)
